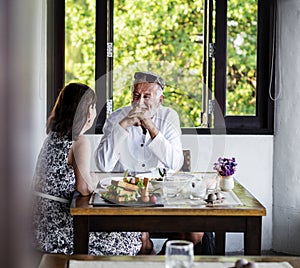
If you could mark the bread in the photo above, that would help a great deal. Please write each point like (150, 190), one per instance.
(132, 180)
(125, 185)
(121, 191)
(124, 191)
(121, 199)
(114, 197)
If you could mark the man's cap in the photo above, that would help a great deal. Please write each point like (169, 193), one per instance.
(140, 77)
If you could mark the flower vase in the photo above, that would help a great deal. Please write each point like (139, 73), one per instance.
(226, 183)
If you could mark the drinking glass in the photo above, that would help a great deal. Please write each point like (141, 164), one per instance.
(179, 254)
(198, 188)
(212, 184)
(184, 188)
(170, 187)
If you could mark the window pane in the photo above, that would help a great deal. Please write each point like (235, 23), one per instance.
(241, 57)
(163, 37)
(80, 41)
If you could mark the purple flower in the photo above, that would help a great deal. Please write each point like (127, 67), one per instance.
(225, 166)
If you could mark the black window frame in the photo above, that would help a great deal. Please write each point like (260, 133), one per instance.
(262, 123)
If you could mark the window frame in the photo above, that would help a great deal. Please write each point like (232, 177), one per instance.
(262, 123)
(55, 50)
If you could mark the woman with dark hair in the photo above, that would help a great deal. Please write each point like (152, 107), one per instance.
(63, 167)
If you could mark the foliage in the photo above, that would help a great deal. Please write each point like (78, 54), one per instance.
(80, 41)
(157, 36)
(241, 84)
(160, 36)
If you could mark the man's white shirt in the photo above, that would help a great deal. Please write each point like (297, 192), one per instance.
(129, 149)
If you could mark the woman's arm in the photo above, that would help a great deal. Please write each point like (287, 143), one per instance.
(81, 157)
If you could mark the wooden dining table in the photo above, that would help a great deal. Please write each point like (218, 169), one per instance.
(244, 218)
(64, 261)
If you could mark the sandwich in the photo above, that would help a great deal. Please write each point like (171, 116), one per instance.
(123, 191)
(120, 191)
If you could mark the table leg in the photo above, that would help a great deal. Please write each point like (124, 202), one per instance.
(252, 236)
(81, 234)
(220, 242)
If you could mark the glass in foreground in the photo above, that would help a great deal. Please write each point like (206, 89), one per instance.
(179, 254)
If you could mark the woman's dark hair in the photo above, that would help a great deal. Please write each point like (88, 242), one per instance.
(70, 111)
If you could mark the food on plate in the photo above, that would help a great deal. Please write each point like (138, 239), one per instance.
(243, 263)
(142, 183)
(120, 191)
(219, 195)
(211, 197)
(240, 263)
(132, 180)
(144, 191)
(153, 199)
(145, 198)
(215, 198)
(145, 182)
(128, 191)
(125, 185)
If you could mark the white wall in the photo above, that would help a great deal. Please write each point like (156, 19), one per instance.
(254, 155)
(286, 235)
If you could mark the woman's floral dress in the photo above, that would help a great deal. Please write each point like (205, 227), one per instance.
(52, 222)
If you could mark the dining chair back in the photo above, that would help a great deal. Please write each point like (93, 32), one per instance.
(186, 167)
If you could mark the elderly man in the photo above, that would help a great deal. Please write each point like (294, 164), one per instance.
(144, 135)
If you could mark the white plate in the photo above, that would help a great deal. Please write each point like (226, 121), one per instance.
(150, 175)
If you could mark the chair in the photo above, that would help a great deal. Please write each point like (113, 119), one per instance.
(186, 167)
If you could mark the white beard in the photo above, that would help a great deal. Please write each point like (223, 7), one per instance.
(148, 113)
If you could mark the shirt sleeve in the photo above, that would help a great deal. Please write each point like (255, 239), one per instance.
(167, 144)
(108, 151)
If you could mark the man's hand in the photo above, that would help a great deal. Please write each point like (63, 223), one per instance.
(140, 117)
(133, 118)
(148, 124)
(146, 121)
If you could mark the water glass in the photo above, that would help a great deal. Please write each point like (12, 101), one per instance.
(184, 186)
(179, 254)
(170, 187)
(198, 189)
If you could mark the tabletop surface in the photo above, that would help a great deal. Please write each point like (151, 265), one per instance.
(251, 207)
(62, 261)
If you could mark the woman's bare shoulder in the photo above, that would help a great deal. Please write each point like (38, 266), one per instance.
(82, 142)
